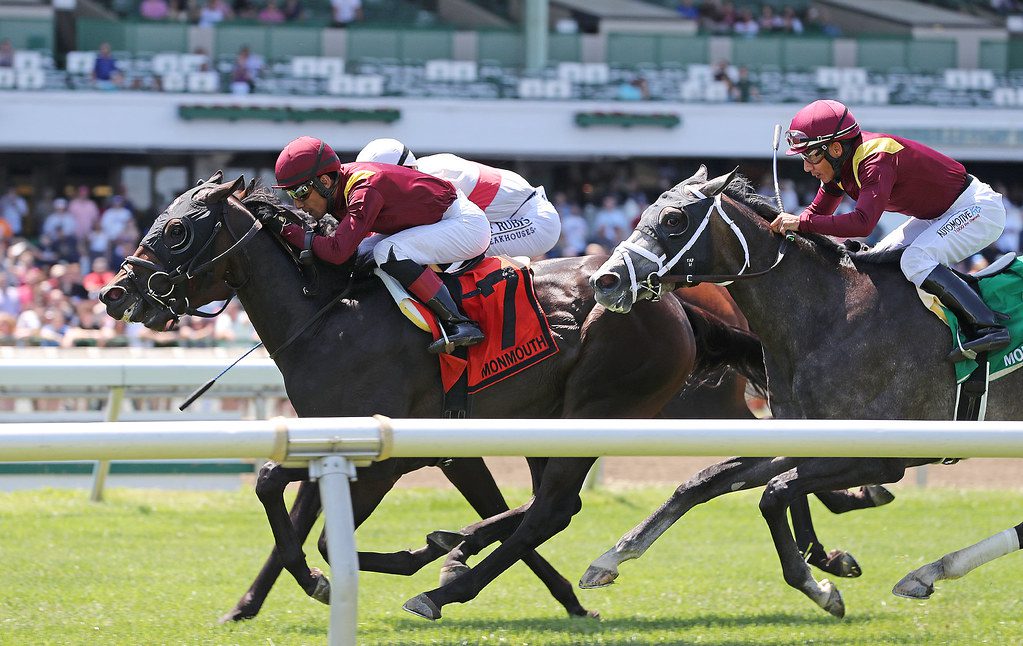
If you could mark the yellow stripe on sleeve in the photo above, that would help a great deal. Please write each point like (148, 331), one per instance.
(355, 178)
(868, 148)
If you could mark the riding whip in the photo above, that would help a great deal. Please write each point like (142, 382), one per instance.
(777, 188)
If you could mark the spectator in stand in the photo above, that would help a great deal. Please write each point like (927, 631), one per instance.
(86, 327)
(722, 74)
(744, 89)
(271, 13)
(6, 230)
(6, 53)
(575, 230)
(243, 81)
(817, 15)
(14, 209)
(719, 18)
(244, 9)
(67, 277)
(1010, 238)
(745, 25)
(99, 244)
(99, 276)
(8, 324)
(346, 12)
(214, 12)
(791, 24)
(10, 302)
(611, 225)
(60, 219)
(154, 9)
(116, 218)
(293, 11)
(634, 90)
(769, 22)
(687, 10)
(84, 211)
(105, 75)
(125, 243)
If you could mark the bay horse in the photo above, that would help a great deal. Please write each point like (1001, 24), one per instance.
(844, 336)
(208, 243)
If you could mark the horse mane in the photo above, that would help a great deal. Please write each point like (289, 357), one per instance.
(259, 194)
(742, 190)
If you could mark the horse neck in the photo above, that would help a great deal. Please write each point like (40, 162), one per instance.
(272, 294)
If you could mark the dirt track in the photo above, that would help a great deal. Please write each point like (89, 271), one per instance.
(977, 473)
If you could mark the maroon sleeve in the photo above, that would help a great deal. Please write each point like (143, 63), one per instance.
(877, 176)
(824, 203)
(364, 204)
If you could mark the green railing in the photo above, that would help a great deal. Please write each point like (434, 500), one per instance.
(28, 33)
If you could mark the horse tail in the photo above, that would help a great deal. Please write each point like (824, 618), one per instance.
(723, 346)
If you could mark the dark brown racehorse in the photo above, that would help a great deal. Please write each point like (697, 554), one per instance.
(208, 243)
(844, 334)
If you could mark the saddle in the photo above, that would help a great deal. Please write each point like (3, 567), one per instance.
(496, 292)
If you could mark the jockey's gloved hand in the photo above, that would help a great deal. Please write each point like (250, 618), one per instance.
(273, 220)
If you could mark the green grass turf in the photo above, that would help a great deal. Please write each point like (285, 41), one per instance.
(151, 567)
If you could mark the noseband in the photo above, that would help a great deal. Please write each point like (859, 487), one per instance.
(656, 279)
(162, 289)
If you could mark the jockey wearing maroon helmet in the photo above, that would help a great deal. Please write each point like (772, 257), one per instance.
(303, 161)
(952, 214)
(418, 220)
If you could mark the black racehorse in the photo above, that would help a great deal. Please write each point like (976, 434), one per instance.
(208, 243)
(844, 335)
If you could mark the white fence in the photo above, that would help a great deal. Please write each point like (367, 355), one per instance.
(103, 390)
(333, 446)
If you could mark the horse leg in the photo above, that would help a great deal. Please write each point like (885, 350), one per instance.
(866, 497)
(734, 474)
(557, 500)
(919, 584)
(837, 562)
(816, 474)
(472, 478)
(303, 515)
(270, 485)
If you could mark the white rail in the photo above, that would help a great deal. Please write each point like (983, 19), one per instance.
(333, 446)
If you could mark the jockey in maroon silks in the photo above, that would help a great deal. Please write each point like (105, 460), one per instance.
(419, 219)
(953, 215)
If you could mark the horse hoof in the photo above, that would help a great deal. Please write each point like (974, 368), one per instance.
(322, 590)
(879, 495)
(445, 540)
(449, 573)
(588, 614)
(597, 577)
(911, 587)
(842, 564)
(236, 614)
(833, 604)
(422, 606)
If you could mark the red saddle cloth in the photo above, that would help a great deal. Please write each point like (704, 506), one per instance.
(498, 294)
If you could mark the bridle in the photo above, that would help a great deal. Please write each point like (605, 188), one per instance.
(656, 279)
(163, 289)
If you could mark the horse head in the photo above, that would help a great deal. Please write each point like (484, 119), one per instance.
(672, 233)
(180, 265)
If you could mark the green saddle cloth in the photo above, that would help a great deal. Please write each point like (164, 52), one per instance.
(1003, 292)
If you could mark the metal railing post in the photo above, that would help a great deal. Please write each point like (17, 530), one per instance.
(334, 472)
(102, 468)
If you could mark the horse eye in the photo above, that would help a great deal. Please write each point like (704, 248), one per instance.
(175, 233)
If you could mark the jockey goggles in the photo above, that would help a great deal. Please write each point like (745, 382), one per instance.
(797, 138)
(301, 191)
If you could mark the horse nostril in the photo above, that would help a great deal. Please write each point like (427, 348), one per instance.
(607, 281)
(112, 295)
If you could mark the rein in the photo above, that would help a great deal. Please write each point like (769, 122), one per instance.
(653, 282)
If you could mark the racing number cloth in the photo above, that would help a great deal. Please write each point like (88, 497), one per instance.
(498, 294)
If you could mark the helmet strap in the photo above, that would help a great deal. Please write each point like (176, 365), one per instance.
(839, 161)
(327, 193)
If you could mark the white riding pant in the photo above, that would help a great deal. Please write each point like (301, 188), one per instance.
(462, 233)
(531, 231)
(973, 222)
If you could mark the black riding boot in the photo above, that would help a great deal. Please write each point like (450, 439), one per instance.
(426, 286)
(981, 323)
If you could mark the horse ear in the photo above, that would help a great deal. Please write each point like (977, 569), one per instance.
(701, 174)
(243, 191)
(718, 184)
(220, 192)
